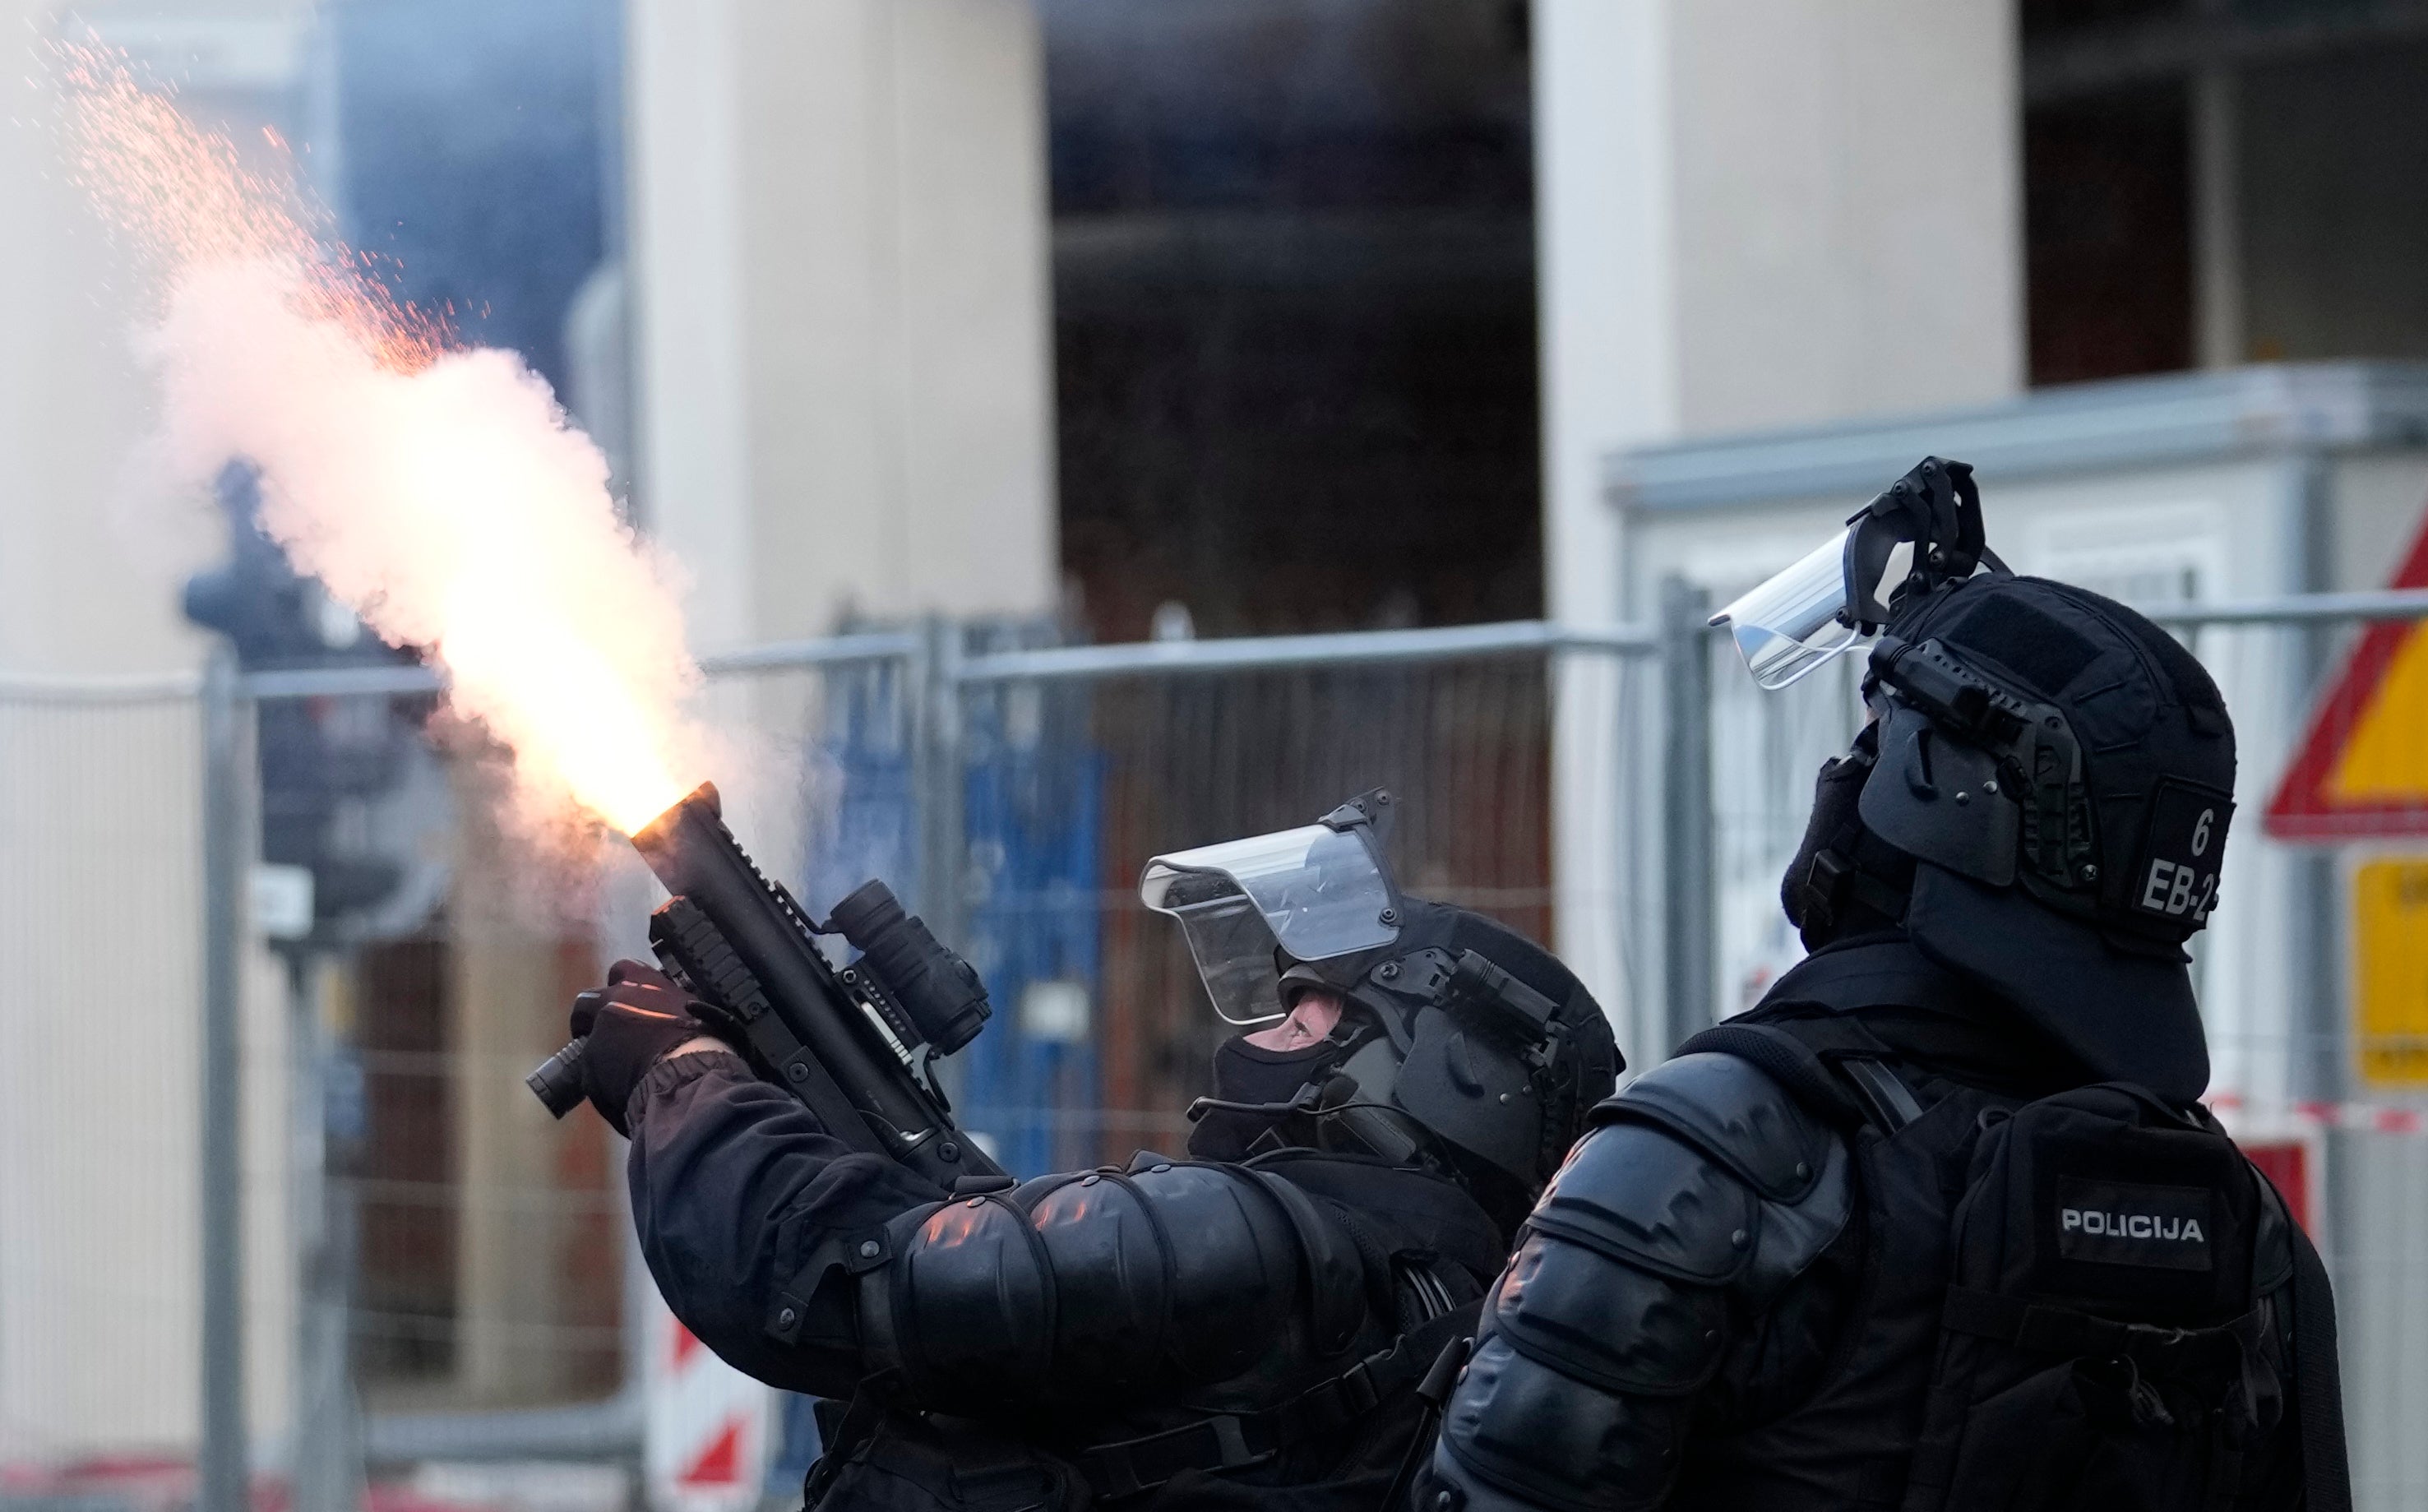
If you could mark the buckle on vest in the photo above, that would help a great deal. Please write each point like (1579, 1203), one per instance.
(1218, 1442)
(1357, 1395)
(1231, 1443)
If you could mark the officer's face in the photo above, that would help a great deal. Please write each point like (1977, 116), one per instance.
(1313, 1018)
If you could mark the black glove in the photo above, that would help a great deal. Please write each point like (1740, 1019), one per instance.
(636, 1019)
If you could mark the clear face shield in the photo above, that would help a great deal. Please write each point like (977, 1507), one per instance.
(1925, 530)
(1798, 621)
(1315, 892)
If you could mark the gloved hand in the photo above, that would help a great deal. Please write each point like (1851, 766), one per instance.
(631, 1022)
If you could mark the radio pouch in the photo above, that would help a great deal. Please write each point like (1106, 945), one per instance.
(2112, 1334)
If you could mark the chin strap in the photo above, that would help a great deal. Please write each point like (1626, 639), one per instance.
(1319, 1096)
(1840, 864)
(1834, 880)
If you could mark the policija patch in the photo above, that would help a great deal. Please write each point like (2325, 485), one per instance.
(2177, 874)
(2122, 1223)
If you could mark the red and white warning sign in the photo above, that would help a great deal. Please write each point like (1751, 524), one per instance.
(704, 1442)
(2362, 767)
(2289, 1147)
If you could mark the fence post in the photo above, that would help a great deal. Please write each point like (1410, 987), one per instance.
(325, 1467)
(2319, 1043)
(1688, 876)
(222, 1462)
(936, 783)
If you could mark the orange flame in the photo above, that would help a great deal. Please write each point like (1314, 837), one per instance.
(437, 491)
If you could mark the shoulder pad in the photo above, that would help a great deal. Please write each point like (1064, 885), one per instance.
(1794, 1234)
(1639, 1195)
(1335, 1272)
(1734, 1113)
(1027, 1195)
(1610, 1325)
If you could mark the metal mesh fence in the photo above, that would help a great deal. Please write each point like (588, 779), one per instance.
(1074, 783)
(423, 1239)
(102, 891)
(492, 1259)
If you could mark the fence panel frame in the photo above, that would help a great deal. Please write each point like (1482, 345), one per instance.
(942, 673)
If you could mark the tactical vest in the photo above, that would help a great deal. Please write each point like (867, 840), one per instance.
(2082, 1300)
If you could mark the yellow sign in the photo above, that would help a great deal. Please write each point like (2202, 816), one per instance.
(2385, 756)
(2390, 934)
(2362, 767)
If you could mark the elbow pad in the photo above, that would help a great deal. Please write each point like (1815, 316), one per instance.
(1107, 1284)
(1705, 1190)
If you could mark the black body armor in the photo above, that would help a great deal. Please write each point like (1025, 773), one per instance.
(1173, 1334)
(1703, 1194)
(1742, 1292)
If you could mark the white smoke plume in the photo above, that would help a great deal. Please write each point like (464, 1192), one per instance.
(439, 492)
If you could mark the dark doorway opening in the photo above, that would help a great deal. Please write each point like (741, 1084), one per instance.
(1294, 312)
(2107, 205)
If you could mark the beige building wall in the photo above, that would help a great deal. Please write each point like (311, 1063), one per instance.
(839, 243)
(99, 812)
(1750, 213)
(1850, 225)
(845, 407)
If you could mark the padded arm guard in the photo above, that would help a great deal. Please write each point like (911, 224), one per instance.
(1703, 1191)
(1109, 1285)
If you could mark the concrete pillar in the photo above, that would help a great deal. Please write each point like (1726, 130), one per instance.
(839, 246)
(1751, 213)
(101, 819)
(1605, 237)
(2219, 338)
(520, 953)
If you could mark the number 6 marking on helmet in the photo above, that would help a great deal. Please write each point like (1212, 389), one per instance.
(2200, 831)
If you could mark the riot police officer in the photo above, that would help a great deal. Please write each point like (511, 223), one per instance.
(1250, 1324)
(1939, 1224)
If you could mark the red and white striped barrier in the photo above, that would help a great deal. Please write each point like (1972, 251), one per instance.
(705, 1434)
(2287, 1140)
(2360, 1118)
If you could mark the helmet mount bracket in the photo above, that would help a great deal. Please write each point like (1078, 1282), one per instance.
(2034, 751)
(1936, 508)
(1373, 809)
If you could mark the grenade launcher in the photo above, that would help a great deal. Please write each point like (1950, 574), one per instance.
(857, 1044)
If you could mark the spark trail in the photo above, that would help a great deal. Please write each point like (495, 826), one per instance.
(436, 490)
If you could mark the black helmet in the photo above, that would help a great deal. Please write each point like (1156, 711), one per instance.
(1477, 1052)
(2061, 771)
(2042, 798)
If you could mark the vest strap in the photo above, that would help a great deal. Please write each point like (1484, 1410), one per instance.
(1893, 1102)
(2317, 1383)
(1235, 1440)
(1786, 1060)
(2045, 1328)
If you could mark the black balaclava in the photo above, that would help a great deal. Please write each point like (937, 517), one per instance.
(1245, 1073)
(1861, 882)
